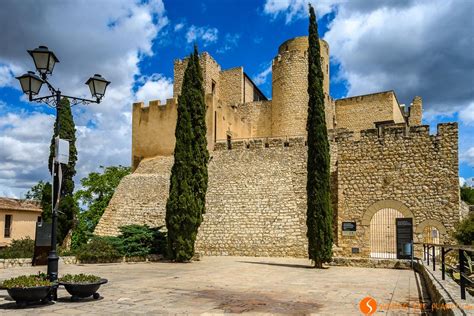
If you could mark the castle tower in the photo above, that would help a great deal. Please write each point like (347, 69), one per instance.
(416, 112)
(290, 85)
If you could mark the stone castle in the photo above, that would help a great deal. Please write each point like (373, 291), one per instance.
(384, 164)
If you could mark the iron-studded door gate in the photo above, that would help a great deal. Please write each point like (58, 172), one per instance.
(404, 238)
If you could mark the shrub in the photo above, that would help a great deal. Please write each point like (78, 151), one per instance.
(24, 281)
(464, 232)
(99, 249)
(137, 240)
(19, 248)
(79, 278)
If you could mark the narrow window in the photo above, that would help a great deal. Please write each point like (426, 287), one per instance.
(8, 226)
(213, 87)
(229, 142)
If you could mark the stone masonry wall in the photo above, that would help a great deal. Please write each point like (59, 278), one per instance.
(230, 86)
(140, 198)
(256, 200)
(361, 112)
(409, 170)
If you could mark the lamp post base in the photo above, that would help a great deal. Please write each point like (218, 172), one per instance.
(53, 261)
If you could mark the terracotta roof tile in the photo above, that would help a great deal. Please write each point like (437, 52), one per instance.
(19, 205)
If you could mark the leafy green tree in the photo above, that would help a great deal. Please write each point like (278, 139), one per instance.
(41, 192)
(188, 183)
(97, 190)
(467, 194)
(319, 212)
(464, 231)
(67, 209)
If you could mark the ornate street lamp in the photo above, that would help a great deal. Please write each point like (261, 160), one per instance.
(31, 84)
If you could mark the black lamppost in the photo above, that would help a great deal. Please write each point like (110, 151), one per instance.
(31, 84)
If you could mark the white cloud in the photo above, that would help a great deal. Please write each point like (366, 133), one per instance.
(296, 9)
(178, 27)
(24, 139)
(206, 34)
(112, 42)
(466, 115)
(467, 156)
(155, 87)
(407, 46)
(263, 76)
(404, 45)
(230, 41)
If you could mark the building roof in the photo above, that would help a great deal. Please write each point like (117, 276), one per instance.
(19, 205)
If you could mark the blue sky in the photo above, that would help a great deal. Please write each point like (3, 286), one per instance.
(415, 47)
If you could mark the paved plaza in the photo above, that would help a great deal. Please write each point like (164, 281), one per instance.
(217, 285)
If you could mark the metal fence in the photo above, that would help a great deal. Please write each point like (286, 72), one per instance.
(430, 255)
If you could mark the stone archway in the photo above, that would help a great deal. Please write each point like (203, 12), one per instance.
(431, 231)
(392, 204)
(379, 225)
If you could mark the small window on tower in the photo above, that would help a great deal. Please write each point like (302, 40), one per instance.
(213, 87)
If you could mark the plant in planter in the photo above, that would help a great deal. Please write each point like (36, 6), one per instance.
(82, 285)
(27, 289)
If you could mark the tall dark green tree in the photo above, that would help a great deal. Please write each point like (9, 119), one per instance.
(201, 154)
(67, 205)
(319, 212)
(188, 183)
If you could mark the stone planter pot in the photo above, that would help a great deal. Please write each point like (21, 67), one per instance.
(28, 295)
(83, 290)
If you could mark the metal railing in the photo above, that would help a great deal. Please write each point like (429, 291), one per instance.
(429, 255)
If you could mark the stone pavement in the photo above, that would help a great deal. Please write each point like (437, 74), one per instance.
(217, 285)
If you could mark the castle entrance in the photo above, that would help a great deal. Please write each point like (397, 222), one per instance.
(383, 233)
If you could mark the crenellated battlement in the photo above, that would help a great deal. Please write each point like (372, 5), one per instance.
(290, 56)
(258, 143)
(155, 104)
(399, 131)
(445, 131)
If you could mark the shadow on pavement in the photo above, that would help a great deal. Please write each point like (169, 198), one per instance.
(303, 266)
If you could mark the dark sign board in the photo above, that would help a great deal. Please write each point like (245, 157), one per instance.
(404, 238)
(42, 243)
(43, 234)
(349, 226)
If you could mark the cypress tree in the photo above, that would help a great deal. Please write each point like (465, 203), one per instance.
(319, 212)
(188, 183)
(67, 208)
(201, 154)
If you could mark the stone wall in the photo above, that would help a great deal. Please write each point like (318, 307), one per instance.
(409, 170)
(361, 112)
(230, 86)
(256, 200)
(153, 129)
(258, 115)
(248, 90)
(290, 85)
(210, 72)
(140, 198)
(416, 112)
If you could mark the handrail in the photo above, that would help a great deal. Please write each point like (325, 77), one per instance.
(457, 247)
(463, 278)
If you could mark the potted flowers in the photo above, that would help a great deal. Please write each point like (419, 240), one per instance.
(27, 289)
(82, 285)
